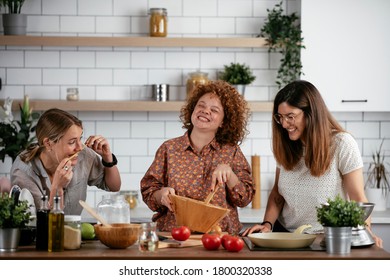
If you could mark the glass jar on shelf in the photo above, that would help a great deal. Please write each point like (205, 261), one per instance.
(194, 79)
(158, 22)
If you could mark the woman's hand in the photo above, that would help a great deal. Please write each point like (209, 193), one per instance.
(101, 146)
(61, 179)
(256, 228)
(162, 197)
(222, 175)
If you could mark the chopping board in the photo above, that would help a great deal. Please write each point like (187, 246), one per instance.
(166, 241)
(171, 243)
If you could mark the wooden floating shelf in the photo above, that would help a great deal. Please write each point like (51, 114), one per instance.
(82, 41)
(118, 106)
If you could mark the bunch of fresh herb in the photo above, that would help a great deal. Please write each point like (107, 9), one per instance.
(340, 213)
(16, 135)
(13, 214)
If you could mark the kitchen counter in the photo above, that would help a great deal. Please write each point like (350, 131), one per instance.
(247, 215)
(94, 250)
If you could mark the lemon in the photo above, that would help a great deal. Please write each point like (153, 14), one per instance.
(87, 231)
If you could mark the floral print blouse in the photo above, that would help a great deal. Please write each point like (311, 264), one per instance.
(179, 166)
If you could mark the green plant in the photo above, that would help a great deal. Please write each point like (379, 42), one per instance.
(340, 213)
(377, 174)
(13, 6)
(15, 136)
(13, 214)
(237, 74)
(283, 35)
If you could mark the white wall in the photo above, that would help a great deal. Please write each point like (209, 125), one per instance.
(122, 73)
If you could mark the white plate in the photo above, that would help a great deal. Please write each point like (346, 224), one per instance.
(282, 240)
(25, 194)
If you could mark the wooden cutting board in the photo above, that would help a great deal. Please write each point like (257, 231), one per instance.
(171, 243)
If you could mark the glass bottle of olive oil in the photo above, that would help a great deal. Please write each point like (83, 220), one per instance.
(56, 227)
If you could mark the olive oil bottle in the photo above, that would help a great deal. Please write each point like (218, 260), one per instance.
(41, 242)
(56, 227)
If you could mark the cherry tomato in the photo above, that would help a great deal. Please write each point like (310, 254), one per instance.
(224, 238)
(181, 233)
(211, 241)
(234, 244)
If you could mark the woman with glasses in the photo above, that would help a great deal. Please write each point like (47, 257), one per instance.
(316, 160)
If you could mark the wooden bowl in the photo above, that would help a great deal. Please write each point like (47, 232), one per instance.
(118, 236)
(197, 215)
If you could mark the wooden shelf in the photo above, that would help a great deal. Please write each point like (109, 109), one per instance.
(235, 42)
(118, 106)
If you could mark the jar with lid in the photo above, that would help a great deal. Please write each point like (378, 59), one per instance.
(131, 198)
(148, 238)
(194, 79)
(72, 232)
(114, 209)
(158, 22)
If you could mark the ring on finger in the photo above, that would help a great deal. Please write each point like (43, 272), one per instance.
(66, 168)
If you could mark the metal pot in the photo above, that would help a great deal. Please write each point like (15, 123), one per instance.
(160, 92)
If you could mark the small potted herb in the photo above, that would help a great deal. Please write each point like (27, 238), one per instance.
(238, 75)
(14, 216)
(338, 216)
(14, 22)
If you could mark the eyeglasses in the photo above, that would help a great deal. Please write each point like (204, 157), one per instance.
(290, 118)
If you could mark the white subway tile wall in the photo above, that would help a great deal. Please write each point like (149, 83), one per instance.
(110, 73)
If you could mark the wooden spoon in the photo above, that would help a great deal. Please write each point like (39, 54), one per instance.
(94, 214)
(211, 195)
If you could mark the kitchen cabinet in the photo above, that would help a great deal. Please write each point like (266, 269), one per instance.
(346, 55)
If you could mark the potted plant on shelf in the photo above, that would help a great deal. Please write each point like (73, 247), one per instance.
(16, 135)
(338, 216)
(283, 35)
(14, 215)
(238, 75)
(14, 22)
(377, 185)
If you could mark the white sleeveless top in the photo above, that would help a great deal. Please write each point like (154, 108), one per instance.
(303, 192)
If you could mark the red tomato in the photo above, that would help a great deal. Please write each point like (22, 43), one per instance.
(181, 233)
(224, 238)
(234, 244)
(211, 241)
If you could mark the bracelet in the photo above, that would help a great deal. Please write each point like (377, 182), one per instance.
(267, 222)
(110, 164)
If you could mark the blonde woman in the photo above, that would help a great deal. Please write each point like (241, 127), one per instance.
(60, 164)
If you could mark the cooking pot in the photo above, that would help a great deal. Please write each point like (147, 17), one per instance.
(284, 240)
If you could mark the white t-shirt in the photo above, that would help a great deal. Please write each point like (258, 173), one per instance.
(303, 192)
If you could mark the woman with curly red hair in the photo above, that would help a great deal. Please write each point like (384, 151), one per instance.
(205, 157)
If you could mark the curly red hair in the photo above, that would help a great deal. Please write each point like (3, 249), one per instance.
(236, 111)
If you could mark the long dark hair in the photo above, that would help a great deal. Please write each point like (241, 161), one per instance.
(320, 127)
